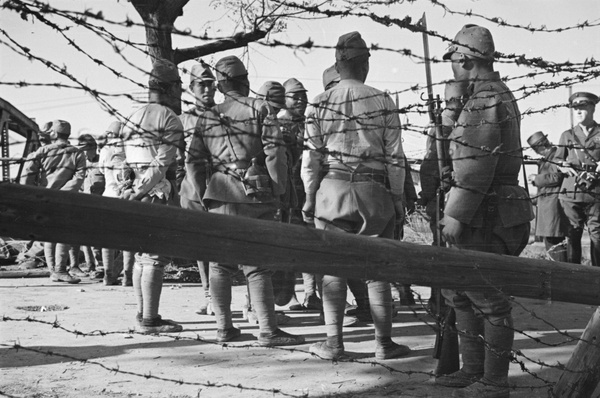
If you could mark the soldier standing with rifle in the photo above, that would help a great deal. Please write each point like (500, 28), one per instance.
(486, 210)
(435, 174)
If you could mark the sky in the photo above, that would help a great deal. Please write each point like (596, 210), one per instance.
(389, 68)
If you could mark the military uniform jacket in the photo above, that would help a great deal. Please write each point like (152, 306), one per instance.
(226, 139)
(579, 150)
(94, 182)
(150, 142)
(56, 166)
(349, 125)
(550, 218)
(486, 157)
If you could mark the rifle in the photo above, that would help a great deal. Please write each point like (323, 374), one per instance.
(446, 342)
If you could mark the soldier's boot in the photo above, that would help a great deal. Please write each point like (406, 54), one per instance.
(260, 288)
(499, 336)
(406, 295)
(574, 246)
(220, 291)
(381, 302)
(472, 350)
(60, 273)
(108, 260)
(49, 249)
(128, 261)
(334, 302)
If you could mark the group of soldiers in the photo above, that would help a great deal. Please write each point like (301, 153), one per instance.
(340, 159)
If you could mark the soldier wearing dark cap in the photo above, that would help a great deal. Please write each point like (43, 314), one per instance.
(551, 223)
(202, 84)
(57, 165)
(239, 144)
(354, 150)
(579, 152)
(150, 138)
(486, 210)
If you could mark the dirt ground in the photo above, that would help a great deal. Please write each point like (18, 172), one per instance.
(70, 341)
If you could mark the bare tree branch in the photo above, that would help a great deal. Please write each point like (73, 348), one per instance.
(236, 41)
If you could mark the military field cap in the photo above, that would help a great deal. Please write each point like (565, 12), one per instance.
(87, 141)
(114, 128)
(230, 67)
(293, 85)
(537, 138)
(201, 72)
(273, 92)
(349, 46)
(330, 75)
(582, 98)
(473, 40)
(61, 128)
(164, 71)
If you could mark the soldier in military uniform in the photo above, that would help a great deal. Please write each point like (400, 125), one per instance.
(354, 142)
(579, 152)
(551, 223)
(202, 84)
(150, 139)
(58, 165)
(486, 210)
(239, 141)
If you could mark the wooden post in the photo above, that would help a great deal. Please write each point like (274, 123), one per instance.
(582, 374)
(50, 215)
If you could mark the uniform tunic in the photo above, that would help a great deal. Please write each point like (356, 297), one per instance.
(150, 143)
(486, 156)
(579, 150)
(227, 138)
(56, 166)
(550, 215)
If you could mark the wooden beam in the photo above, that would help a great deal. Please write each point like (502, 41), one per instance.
(582, 374)
(48, 215)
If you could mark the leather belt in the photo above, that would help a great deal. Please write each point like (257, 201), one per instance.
(240, 165)
(356, 177)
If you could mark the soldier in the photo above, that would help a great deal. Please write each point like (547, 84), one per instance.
(354, 142)
(292, 128)
(240, 141)
(551, 223)
(93, 184)
(150, 139)
(113, 166)
(486, 210)
(57, 165)
(579, 152)
(202, 84)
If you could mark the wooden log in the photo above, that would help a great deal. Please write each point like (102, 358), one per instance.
(48, 215)
(582, 374)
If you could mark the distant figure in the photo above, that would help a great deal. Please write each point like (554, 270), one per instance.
(551, 223)
(202, 84)
(93, 184)
(58, 165)
(579, 152)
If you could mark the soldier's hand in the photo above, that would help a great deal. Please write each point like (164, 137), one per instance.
(452, 229)
(308, 210)
(129, 194)
(531, 177)
(567, 169)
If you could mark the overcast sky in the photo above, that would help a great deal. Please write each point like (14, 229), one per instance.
(390, 70)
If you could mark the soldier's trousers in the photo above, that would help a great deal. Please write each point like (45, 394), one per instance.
(260, 285)
(487, 312)
(363, 208)
(581, 214)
